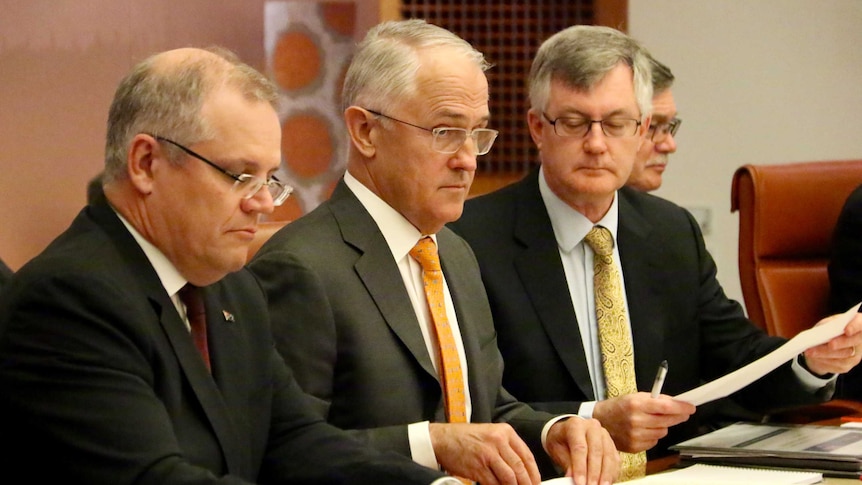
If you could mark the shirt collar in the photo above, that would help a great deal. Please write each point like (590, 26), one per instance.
(399, 233)
(570, 226)
(168, 274)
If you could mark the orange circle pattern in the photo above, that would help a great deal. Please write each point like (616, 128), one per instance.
(339, 16)
(296, 60)
(306, 144)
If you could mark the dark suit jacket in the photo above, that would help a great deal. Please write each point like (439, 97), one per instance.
(845, 278)
(100, 381)
(678, 309)
(5, 274)
(343, 320)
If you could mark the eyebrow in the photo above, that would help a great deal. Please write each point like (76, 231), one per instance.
(453, 116)
(572, 113)
(662, 118)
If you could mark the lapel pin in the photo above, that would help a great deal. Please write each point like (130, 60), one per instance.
(228, 317)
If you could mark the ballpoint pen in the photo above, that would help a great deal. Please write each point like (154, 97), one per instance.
(659, 380)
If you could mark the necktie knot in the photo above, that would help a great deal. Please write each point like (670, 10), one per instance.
(192, 298)
(190, 295)
(600, 241)
(425, 253)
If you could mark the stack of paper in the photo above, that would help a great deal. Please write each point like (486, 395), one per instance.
(832, 450)
(724, 475)
(718, 475)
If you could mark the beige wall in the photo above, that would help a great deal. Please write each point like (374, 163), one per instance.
(60, 61)
(765, 81)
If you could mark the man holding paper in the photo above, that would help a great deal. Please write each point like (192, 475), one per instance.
(590, 111)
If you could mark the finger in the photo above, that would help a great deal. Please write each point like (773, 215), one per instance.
(577, 446)
(526, 459)
(611, 463)
(597, 451)
(508, 468)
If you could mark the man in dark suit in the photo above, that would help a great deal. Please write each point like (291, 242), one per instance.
(107, 373)
(845, 277)
(346, 297)
(590, 105)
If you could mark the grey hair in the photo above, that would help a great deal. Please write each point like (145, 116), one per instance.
(662, 77)
(383, 69)
(166, 99)
(581, 56)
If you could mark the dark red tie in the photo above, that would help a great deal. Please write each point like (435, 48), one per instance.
(190, 295)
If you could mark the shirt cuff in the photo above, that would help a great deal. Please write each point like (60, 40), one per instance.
(810, 382)
(421, 449)
(552, 422)
(586, 409)
(447, 481)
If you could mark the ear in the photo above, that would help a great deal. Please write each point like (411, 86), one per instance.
(534, 121)
(644, 129)
(142, 153)
(360, 127)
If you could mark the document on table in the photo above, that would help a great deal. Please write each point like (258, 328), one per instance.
(718, 475)
(740, 378)
(727, 475)
(831, 450)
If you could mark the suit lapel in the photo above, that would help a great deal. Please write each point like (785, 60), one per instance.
(639, 272)
(175, 330)
(544, 280)
(379, 273)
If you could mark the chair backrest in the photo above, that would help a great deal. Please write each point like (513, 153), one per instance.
(787, 215)
(265, 230)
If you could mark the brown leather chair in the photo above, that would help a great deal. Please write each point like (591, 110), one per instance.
(265, 230)
(787, 214)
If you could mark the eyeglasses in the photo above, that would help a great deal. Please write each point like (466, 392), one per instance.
(579, 127)
(450, 139)
(660, 131)
(247, 185)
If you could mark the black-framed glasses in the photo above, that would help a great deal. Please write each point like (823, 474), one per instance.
(660, 131)
(246, 184)
(448, 139)
(579, 127)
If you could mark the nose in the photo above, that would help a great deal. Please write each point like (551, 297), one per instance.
(260, 202)
(595, 141)
(465, 157)
(668, 145)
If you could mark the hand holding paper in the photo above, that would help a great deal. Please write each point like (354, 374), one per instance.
(740, 378)
(839, 354)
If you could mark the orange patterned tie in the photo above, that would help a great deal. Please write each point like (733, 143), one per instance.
(452, 379)
(614, 334)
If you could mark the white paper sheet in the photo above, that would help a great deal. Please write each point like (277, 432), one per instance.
(740, 378)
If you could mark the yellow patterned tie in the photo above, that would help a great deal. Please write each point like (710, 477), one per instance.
(452, 379)
(614, 336)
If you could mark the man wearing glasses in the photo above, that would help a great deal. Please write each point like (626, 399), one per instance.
(135, 349)
(549, 289)
(384, 342)
(652, 157)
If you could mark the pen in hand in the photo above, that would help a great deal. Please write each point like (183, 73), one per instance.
(659, 380)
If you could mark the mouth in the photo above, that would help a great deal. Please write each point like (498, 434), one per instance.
(459, 186)
(246, 232)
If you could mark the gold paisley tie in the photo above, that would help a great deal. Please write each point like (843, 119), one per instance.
(614, 335)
